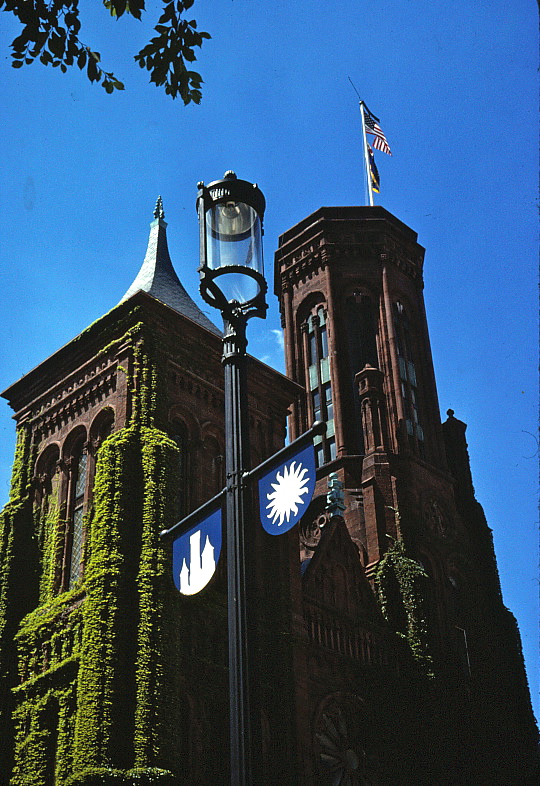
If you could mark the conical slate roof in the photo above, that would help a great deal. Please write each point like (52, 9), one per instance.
(157, 275)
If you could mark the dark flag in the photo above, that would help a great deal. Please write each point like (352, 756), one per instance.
(373, 171)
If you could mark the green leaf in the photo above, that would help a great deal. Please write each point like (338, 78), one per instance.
(56, 45)
(93, 71)
(165, 56)
(118, 7)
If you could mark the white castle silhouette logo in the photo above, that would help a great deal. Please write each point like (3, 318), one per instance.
(201, 568)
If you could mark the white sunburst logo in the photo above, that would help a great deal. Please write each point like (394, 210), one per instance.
(289, 488)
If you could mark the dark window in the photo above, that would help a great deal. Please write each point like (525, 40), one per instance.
(360, 330)
(324, 341)
(317, 411)
(322, 405)
(407, 373)
(179, 435)
(312, 348)
(328, 401)
(78, 486)
(214, 464)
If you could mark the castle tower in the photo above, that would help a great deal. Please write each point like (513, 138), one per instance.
(107, 672)
(383, 651)
(350, 285)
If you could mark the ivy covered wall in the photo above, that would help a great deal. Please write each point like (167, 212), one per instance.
(87, 674)
(401, 587)
(18, 577)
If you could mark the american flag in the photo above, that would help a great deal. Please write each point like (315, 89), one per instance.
(372, 127)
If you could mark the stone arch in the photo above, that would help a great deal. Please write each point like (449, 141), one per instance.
(101, 426)
(307, 305)
(181, 431)
(212, 460)
(45, 471)
(181, 414)
(75, 438)
(399, 296)
(75, 492)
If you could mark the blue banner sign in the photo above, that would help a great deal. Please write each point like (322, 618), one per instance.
(196, 554)
(286, 491)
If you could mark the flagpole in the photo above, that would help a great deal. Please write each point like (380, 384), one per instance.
(366, 156)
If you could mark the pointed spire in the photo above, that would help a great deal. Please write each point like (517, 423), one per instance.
(158, 210)
(158, 277)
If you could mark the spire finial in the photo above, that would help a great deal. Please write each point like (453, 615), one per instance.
(158, 210)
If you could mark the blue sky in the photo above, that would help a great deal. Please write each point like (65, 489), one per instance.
(455, 86)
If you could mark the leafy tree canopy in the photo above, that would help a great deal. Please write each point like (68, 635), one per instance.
(51, 33)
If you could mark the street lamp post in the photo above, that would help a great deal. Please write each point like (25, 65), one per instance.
(231, 279)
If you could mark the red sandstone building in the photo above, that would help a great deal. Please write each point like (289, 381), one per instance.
(384, 653)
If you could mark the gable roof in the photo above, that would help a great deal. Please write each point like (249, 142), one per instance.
(336, 551)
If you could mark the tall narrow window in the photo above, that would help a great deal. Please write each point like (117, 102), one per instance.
(180, 436)
(46, 508)
(214, 465)
(322, 405)
(78, 489)
(407, 373)
(45, 482)
(362, 350)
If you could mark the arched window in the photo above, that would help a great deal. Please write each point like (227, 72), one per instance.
(76, 510)
(46, 485)
(360, 330)
(46, 511)
(101, 428)
(407, 373)
(179, 434)
(321, 402)
(214, 465)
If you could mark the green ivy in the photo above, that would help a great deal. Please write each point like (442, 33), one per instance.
(140, 776)
(22, 465)
(107, 580)
(159, 463)
(128, 590)
(18, 574)
(400, 583)
(95, 664)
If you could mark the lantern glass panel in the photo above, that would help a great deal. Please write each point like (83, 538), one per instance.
(233, 235)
